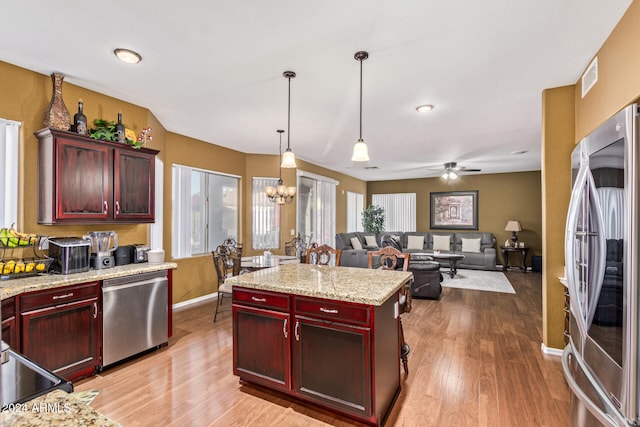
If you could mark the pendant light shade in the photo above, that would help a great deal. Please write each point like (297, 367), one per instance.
(360, 150)
(288, 158)
(280, 194)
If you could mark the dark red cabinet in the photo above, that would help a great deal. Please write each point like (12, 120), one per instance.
(60, 329)
(82, 180)
(9, 325)
(341, 356)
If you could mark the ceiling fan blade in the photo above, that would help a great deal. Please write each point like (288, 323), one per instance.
(470, 170)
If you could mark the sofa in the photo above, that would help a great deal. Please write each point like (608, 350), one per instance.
(478, 248)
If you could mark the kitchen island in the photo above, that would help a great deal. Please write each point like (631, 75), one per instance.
(326, 335)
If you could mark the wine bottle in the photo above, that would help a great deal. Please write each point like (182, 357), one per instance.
(120, 129)
(80, 120)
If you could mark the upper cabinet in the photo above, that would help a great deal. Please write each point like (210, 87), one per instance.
(83, 180)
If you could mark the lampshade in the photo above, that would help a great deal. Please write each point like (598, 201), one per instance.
(513, 225)
(360, 152)
(288, 159)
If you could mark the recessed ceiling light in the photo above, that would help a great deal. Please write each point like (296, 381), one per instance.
(518, 152)
(424, 108)
(128, 56)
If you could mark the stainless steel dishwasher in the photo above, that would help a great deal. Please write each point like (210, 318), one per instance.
(134, 315)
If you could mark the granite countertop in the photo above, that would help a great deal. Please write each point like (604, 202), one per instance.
(57, 408)
(360, 285)
(9, 288)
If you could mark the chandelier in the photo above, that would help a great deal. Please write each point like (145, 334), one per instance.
(280, 194)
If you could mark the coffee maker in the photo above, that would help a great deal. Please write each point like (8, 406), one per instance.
(103, 244)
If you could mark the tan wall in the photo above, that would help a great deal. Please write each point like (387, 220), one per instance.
(24, 96)
(618, 78)
(267, 166)
(557, 144)
(195, 277)
(501, 197)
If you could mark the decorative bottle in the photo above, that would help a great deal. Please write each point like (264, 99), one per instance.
(80, 120)
(120, 129)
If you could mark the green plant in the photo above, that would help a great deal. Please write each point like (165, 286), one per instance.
(106, 131)
(373, 219)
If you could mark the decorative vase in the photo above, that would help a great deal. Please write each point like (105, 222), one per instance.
(56, 115)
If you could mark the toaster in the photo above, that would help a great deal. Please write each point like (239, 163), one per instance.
(140, 253)
(70, 254)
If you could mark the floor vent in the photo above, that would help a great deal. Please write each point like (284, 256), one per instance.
(590, 77)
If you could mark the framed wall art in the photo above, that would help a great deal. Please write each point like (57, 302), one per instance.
(454, 210)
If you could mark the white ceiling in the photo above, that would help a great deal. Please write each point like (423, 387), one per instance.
(212, 70)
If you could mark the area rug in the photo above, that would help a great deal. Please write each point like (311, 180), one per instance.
(479, 280)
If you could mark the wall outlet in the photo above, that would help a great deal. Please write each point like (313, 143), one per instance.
(293, 232)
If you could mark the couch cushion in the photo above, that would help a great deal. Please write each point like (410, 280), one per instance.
(471, 245)
(371, 241)
(415, 242)
(486, 240)
(441, 243)
(355, 243)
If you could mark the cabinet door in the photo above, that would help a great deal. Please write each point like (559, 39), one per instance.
(134, 185)
(332, 365)
(63, 338)
(261, 347)
(9, 330)
(82, 180)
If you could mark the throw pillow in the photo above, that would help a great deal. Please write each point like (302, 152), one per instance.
(355, 242)
(415, 242)
(441, 243)
(371, 241)
(471, 245)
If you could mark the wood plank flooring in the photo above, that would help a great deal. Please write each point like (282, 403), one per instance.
(475, 361)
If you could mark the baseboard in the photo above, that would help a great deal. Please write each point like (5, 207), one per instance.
(551, 351)
(184, 304)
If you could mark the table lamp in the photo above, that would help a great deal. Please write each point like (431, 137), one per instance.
(513, 226)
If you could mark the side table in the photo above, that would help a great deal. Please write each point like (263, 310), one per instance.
(505, 256)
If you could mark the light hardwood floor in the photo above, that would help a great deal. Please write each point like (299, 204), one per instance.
(475, 361)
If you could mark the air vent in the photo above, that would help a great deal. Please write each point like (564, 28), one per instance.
(590, 76)
(371, 167)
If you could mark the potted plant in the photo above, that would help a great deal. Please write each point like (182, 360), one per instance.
(373, 219)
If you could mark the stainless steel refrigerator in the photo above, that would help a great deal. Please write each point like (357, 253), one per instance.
(601, 254)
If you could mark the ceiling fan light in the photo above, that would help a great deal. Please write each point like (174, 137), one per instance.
(288, 159)
(360, 152)
(453, 175)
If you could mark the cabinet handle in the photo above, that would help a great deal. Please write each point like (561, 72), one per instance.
(295, 331)
(258, 299)
(284, 328)
(106, 207)
(95, 310)
(70, 294)
(328, 310)
(117, 207)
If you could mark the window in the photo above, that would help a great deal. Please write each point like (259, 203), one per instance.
(355, 203)
(317, 208)
(9, 143)
(399, 209)
(205, 210)
(266, 216)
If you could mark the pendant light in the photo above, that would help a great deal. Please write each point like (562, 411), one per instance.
(360, 151)
(280, 194)
(288, 158)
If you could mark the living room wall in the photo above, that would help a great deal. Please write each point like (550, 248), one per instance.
(501, 197)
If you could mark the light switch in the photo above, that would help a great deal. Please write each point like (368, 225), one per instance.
(293, 232)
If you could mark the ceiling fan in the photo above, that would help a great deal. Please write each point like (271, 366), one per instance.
(452, 170)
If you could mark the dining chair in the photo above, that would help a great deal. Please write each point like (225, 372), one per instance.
(393, 259)
(324, 255)
(226, 265)
(297, 247)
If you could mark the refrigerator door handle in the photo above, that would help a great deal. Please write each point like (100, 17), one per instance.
(602, 416)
